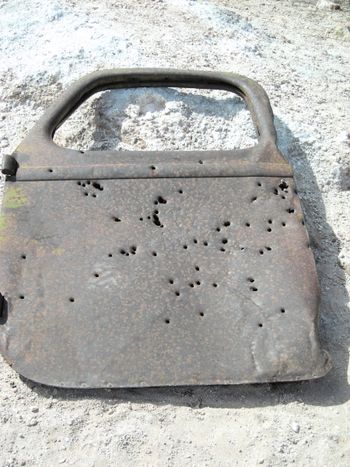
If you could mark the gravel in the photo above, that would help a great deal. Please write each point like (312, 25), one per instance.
(300, 53)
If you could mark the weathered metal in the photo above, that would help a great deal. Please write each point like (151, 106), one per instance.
(126, 269)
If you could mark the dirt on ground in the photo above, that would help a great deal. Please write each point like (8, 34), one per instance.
(299, 51)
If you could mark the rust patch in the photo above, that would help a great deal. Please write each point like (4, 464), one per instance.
(14, 198)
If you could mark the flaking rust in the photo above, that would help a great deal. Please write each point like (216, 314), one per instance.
(170, 268)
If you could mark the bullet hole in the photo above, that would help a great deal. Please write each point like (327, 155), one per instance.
(185, 247)
(283, 310)
(72, 300)
(270, 221)
(222, 249)
(116, 219)
(259, 184)
(154, 253)
(250, 279)
(161, 200)
(283, 185)
(269, 229)
(290, 210)
(180, 191)
(260, 325)
(23, 256)
(227, 224)
(153, 167)
(196, 268)
(283, 224)
(215, 284)
(261, 252)
(96, 274)
(218, 229)
(110, 255)
(156, 220)
(198, 282)
(205, 243)
(50, 170)
(177, 293)
(167, 320)
(200, 162)
(191, 285)
(195, 240)
(171, 281)
(253, 289)
(224, 240)
(97, 185)
(201, 313)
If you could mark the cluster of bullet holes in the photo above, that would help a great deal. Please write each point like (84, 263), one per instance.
(155, 215)
(266, 248)
(90, 188)
(155, 218)
(129, 251)
(252, 287)
(282, 189)
(192, 284)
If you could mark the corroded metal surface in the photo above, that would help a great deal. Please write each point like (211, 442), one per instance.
(179, 268)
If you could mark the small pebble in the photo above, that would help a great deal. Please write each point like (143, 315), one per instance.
(295, 427)
(32, 422)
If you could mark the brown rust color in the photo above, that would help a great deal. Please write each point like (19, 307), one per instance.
(127, 269)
